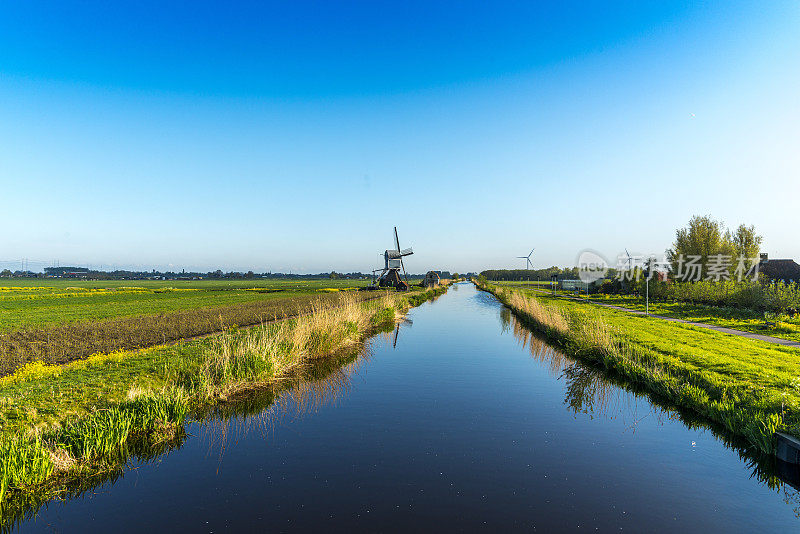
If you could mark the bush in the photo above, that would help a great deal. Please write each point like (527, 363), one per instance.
(775, 297)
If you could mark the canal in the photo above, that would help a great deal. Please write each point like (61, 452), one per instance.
(458, 420)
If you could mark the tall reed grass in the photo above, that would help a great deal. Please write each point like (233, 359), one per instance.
(105, 435)
(742, 409)
(242, 358)
(24, 462)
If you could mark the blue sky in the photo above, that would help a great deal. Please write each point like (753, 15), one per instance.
(293, 136)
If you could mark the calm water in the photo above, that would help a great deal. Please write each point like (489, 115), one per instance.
(464, 422)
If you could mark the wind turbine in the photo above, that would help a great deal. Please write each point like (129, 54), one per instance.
(630, 271)
(528, 262)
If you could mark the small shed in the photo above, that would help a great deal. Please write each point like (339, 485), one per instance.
(431, 279)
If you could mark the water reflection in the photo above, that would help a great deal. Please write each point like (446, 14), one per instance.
(587, 391)
(77, 486)
(592, 392)
(324, 383)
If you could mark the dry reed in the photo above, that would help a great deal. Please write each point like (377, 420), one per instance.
(237, 359)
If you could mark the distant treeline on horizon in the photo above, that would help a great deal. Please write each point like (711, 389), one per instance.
(566, 273)
(85, 272)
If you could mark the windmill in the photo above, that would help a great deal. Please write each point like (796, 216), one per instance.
(528, 262)
(393, 262)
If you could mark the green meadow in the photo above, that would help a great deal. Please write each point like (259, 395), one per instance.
(28, 303)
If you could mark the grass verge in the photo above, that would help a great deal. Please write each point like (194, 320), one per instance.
(781, 326)
(749, 387)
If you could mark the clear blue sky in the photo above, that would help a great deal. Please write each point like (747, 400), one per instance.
(295, 135)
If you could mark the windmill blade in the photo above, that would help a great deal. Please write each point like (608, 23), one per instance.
(400, 254)
(396, 240)
(396, 254)
(531, 252)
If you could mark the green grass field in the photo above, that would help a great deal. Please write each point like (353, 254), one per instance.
(26, 303)
(740, 319)
(57, 321)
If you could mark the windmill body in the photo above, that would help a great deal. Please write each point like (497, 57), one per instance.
(393, 263)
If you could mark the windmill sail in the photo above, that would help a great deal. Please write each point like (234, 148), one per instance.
(394, 254)
(396, 240)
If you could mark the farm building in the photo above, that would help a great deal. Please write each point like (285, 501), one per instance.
(431, 279)
(786, 270)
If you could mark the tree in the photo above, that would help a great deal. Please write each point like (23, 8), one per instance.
(6, 273)
(706, 239)
(747, 242)
(334, 275)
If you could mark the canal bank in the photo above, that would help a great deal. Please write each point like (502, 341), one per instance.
(62, 427)
(460, 420)
(749, 387)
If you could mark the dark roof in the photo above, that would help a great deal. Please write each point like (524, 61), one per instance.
(781, 270)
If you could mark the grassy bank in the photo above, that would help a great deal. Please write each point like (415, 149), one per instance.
(777, 325)
(749, 387)
(57, 324)
(62, 424)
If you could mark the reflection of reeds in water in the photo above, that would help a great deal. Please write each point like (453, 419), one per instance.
(554, 361)
(26, 505)
(283, 403)
(709, 386)
(322, 383)
(587, 390)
